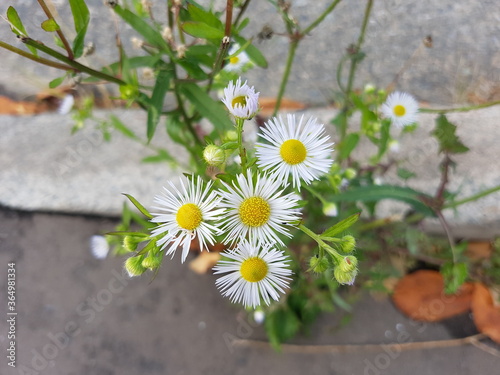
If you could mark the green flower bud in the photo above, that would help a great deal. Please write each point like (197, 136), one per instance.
(230, 136)
(130, 243)
(128, 91)
(348, 244)
(344, 277)
(134, 266)
(318, 265)
(151, 262)
(350, 173)
(369, 88)
(348, 264)
(376, 126)
(330, 209)
(214, 155)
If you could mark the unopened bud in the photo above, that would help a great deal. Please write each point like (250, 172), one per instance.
(128, 91)
(330, 209)
(214, 155)
(152, 262)
(348, 264)
(343, 277)
(350, 173)
(230, 136)
(130, 242)
(181, 51)
(137, 43)
(369, 88)
(148, 73)
(167, 33)
(318, 265)
(348, 244)
(134, 266)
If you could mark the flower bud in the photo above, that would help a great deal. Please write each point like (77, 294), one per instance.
(330, 209)
(350, 173)
(151, 262)
(348, 264)
(344, 277)
(134, 266)
(318, 265)
(214, 155)
(230, 136)
(369, 88)
(128, 91)
(130, 243)
(348, 244)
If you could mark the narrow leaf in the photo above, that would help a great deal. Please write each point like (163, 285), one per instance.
(158, 96)
(341, 226)
(56, 82)
(253, 52)
(348, 144)
(200, 15)
(122, 128)
(81, 19)
(17, 27)
(202, 30)
(50, 25)
(139, 206)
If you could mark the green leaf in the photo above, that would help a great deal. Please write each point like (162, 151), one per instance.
(207, 106)
(139, 206)
(341, 226)
(405, 174)
(385, 136)
(348, 144)
(176, 130)
(281, 324)
(202, 30)
(454, 275)
(122, 128)
(81, 19)
(253, 52)
(158, 96)
(412, 237)
(150, 34)
(17, 27)
(126, 233)
(448, 140)
(198, 14)
(161, 156)
(50, 25)
(56, 82)
(375, 193)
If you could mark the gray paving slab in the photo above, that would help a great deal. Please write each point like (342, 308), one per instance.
(464, 61)
(78, 315)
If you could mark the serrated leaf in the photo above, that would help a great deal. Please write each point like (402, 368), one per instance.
(56, 82)
(150, 34)
(139, 206)
(207, 106)
(157, 97)
(202, 30)
(448, 140)
(454, 275)
(375, 193)
(50, 25)
(341, 226)
(81, 19)
(348, 145)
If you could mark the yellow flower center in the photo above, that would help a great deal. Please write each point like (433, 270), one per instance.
(234, 60)
(254, 212)
(399, 110)
(189, 216)
(239, 100)
(253, 269)
(293, 151)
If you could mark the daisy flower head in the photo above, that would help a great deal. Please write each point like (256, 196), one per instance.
(241, 100)
(401, 108)
(253, 271)
(295, 149)
(185, 214)
(237, 62)
(257, 209)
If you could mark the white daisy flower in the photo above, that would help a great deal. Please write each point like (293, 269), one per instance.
(257, 208)
(302, 152)
(241, 100)
(253, 271)
(186, 214)
(401, 108)
(236, 63)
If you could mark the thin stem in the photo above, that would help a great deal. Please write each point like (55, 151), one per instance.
(242, 11)
(59, 32)
(321, 17)
(445, 169)
(320, 242)
(472, 197)
(75, 65)
(446, 228)
(460, 109)
(286, 74)
(361, 38)
(243, 152)
(37, 59)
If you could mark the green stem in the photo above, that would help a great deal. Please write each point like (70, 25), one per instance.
(322, 16)
(77, 66)
(472, 197)
(59, 32)
(361, 38)
(322, 244)
(459, 109)
(243, 153)
(447, 230)
(286, 74)
(37, 59)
